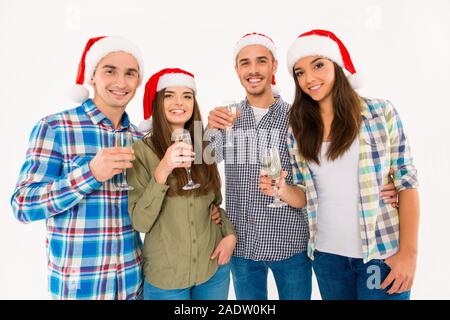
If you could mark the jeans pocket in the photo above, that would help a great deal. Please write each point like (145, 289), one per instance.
(381, 263)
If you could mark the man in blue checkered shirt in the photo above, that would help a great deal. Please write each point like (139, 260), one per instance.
(268, 238)
(68, 175)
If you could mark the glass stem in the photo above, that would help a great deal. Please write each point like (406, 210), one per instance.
(276, 195)
(188, 170)
(124, 177)
(229, 136)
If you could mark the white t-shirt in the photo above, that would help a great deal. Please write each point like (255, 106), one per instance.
(338, 227)
(259, 113)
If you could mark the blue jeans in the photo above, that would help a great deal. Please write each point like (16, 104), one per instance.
(343, 278)
(292, 277)
(216, 288)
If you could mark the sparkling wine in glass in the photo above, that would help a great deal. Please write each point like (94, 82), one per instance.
(185, 136)
(271, 164)
(232, 107)
(123, 139)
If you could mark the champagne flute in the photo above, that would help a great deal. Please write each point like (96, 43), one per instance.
(185, 136)
(231, 106)
(271, 163)
(123, 139)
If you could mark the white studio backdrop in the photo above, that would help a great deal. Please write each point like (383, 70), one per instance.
(401, 47)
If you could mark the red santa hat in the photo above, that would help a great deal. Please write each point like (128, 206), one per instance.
(322, 43)
(170, 77)
(95, 50)
(257, 39)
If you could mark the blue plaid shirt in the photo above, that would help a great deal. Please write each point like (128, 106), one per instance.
(93, 251)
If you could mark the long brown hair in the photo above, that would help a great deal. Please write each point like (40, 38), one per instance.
(307, 125)
(160, 139)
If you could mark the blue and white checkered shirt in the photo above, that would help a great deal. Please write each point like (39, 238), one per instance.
(264, 234)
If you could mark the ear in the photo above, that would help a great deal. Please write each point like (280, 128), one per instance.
(275, 66)
(91, 80)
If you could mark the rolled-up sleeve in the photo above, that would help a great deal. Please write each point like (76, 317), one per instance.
(405, 173)
(293, 155)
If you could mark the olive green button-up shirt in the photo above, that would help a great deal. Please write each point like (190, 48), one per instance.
(180, 235)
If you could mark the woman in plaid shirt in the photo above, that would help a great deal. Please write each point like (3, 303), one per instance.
(342, 149)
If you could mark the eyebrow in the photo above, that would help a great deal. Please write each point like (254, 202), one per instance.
(296, 69)
(110, 66)
(257, 58)
(185, 92)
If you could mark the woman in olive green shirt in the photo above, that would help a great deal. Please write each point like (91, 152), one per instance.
(185, 253)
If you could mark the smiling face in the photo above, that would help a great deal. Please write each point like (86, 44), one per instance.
(255, 66)
(178, 106)
(115, 80)
(315, 76)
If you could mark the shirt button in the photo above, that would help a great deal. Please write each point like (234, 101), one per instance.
(194, 241)
(190, 204)
(192, 222)
(194, 260)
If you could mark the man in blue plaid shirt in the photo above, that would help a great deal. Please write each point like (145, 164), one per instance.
(67, 178)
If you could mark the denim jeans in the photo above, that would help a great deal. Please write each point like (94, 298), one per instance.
(292, 277)
(343, 278)
(216, 288)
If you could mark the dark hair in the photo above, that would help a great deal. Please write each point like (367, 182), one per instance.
(306, 121)
(160, 139)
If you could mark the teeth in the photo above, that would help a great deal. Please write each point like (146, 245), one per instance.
(254, 80)
(315, 87)
(119, 93)
(177, 111)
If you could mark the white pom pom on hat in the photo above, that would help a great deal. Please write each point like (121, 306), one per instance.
(95, 50)
(323, 43)
(169, 77)
(78, 93)
(145, 125)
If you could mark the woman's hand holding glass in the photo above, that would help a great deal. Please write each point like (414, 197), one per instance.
(178, 155)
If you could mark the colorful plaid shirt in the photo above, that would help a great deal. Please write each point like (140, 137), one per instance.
(383, 145)
(93, 251)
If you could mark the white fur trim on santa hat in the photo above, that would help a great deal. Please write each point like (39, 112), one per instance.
(107, 45)
(78, 93)
(145, 125)
(254, 39)
(312, 46)
(176, 80)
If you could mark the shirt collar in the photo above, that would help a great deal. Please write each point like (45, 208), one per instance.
(275, 107)
(98, 117)
(365, 111)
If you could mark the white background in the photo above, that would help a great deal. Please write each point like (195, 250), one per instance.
(402, 47)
